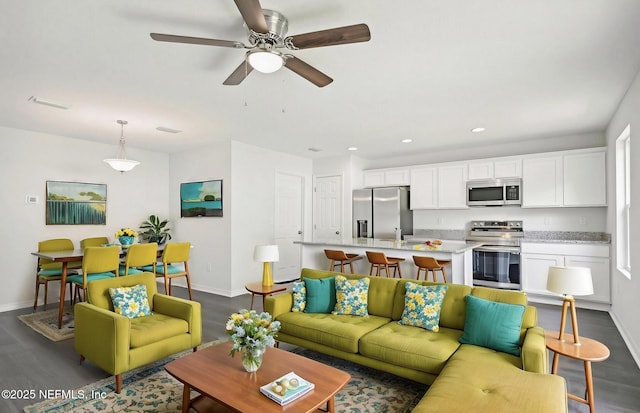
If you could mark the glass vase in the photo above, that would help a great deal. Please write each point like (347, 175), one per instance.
(252, 358)
(126, 240)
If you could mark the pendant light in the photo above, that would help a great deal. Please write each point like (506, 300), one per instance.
(121, 163)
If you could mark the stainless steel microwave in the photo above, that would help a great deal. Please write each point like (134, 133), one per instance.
(494, 192)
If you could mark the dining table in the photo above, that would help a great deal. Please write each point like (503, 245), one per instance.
(67, 256)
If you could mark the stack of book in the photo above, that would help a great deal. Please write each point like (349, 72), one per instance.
(287, 388)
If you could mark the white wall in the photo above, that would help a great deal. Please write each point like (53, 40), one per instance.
(27, 160)
(210, 237)
(624, 291)
(253, 172)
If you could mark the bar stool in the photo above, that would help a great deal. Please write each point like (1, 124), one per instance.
(379, 260)
(339, 257)
(430, 264)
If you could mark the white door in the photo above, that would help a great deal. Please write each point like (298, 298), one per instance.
(328, 208)
(288, 225)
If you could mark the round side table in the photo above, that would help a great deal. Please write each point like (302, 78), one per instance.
(588, 351)
(258, 289)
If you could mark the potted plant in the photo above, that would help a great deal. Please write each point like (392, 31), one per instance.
(155, 229)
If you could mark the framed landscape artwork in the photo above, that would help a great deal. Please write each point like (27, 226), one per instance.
(201, 199)
(76, 203)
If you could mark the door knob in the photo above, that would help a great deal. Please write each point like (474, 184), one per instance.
(337, 232)
(299, 232)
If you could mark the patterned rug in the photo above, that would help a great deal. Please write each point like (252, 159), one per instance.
(46, 323)
(150, 389)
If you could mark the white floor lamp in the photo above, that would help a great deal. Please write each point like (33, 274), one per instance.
(570, 281)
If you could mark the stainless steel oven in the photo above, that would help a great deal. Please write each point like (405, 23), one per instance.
(497, 262)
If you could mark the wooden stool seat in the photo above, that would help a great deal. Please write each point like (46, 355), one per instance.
(339, 257)
(379, 261)
(430, 264)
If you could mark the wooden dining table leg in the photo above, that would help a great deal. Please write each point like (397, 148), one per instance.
(63, 288)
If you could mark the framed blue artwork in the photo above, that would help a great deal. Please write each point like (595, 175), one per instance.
(201, 199)
(76, 203)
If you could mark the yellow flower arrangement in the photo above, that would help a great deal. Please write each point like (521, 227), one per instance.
(126, 232)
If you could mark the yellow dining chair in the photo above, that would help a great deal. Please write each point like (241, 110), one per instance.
(94, 242)
(47, 270)
(98, 263)
(174, 253)
(139, 255)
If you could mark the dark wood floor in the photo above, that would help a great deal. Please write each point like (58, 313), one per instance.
(30, 361)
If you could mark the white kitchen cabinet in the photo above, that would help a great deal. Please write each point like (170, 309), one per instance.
(424, 188)
(507, 168)
(452, 186)
(386, 177)
(536, 258)
(542, 182)
(585, 179)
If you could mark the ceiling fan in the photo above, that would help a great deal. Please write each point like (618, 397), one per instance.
(267, 30)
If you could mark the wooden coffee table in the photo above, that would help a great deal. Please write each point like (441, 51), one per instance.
(225, 386)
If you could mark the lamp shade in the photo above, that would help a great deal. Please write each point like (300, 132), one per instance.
(266, 253)
(570, 280)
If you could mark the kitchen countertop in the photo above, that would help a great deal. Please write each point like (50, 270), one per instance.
(448, 246)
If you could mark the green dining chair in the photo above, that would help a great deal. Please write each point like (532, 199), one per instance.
(174, 253)
(47, 270)
(98, 263)
(94, 242)
(139, 255)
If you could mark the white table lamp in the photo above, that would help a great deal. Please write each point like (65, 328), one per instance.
(266, 254)
(569, 281)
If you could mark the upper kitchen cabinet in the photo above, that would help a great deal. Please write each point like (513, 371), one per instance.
(424, 188)
(386, 177)
(439, 187)
(491, 169)
(542, 182)
(585, 179)
(565, 179)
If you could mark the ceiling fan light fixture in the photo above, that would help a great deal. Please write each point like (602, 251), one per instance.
(265, 61)
(120, 163)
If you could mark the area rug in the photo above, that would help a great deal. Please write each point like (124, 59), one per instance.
(46, 323)
(151, 389)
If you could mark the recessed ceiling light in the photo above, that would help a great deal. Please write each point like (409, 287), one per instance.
(406, 140)
(48, 102)
(169, 130)
(477, 130)
(352, 148)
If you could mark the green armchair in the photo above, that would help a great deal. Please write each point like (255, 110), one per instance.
(118, 344)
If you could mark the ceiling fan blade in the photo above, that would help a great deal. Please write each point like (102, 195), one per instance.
(251, 12)
(331, 37)
(196, 40)
(307, 71)
(239, 74)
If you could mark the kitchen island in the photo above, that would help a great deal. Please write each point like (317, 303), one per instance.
(460, 271)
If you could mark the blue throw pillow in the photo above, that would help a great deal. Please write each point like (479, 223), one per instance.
(131, 302)
(299, 296)
(422, 305)
(321, 295)
(352, 296)
(493, 325)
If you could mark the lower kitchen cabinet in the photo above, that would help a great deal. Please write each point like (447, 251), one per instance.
(538, 257)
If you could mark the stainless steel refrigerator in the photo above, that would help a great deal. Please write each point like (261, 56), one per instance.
(378, 212)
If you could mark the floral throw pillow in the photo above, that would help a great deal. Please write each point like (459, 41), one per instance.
(352, 296)
(299, 296)
(422, 305)
(131, 302)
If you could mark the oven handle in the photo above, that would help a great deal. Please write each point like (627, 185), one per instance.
(513, 250)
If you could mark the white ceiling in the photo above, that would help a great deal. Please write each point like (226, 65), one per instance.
(432, 71)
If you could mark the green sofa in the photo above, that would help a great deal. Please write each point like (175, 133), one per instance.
(118, 344)
(462, 377)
